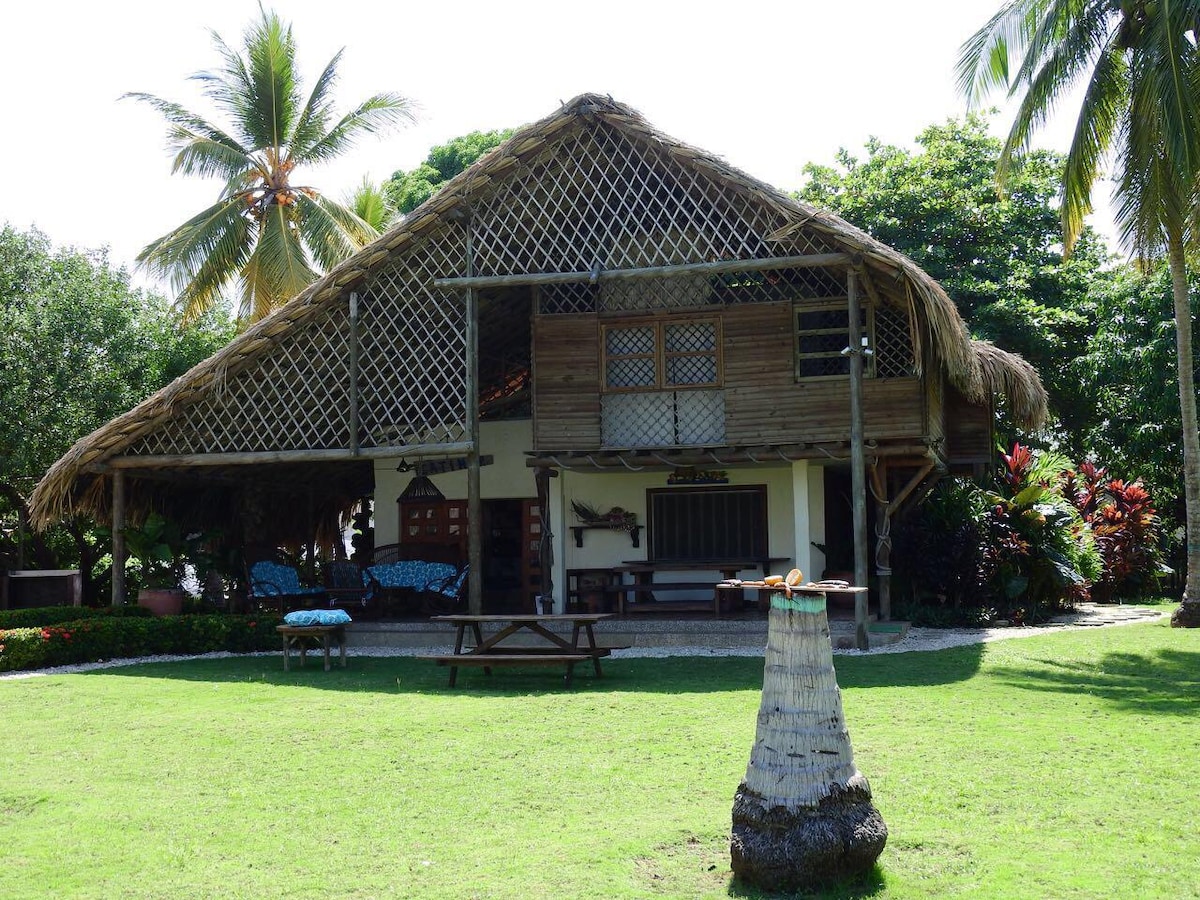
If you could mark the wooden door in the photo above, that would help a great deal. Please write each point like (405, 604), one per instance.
(531, 541)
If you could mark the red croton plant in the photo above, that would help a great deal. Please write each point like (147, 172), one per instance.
(1123, 522)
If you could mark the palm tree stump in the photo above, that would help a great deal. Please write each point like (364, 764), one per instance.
(803, 815)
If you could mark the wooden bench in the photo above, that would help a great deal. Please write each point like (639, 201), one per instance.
(299, 636)
(629, 597)
(553, 650)
(514, 656)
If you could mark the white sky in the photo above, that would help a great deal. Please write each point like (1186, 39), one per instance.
(769, 86)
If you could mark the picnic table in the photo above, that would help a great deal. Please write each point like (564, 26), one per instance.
(499, 650)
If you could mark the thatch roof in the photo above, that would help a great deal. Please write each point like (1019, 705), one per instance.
(977, 370)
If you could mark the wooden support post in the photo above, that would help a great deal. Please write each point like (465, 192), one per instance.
(474, 501)
(352, 387)
(119, 555)
(858, 462)
(310, 514)
(541, 477)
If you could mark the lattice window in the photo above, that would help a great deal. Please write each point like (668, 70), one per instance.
(821, 335)
(893, 343)
(689, 418)
(657, 355)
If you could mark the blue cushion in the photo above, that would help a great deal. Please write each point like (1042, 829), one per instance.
(305, 617)
(270, 579)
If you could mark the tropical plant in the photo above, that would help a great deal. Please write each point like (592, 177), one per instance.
(1141, 107)
(267, 234)
(157, 546)
(1039, 554)
(1124, 524)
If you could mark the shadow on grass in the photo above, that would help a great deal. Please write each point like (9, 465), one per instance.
(869, 885)
(1166, 681)
(676, 675)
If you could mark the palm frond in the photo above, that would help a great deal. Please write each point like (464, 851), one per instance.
(313, 119)
(1049, 75)
(221, 267)
(329, 230)
(197, 155)
(280, 255)
(182, 251)
(372, 115)
(1170, 78)
(1099, 117)
(186, 122)
(984, 60)
(371, 203)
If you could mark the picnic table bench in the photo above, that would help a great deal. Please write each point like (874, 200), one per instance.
(492, 651)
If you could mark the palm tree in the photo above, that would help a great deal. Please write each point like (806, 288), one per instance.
(372, 203)
(1140, 67)
(266, 234)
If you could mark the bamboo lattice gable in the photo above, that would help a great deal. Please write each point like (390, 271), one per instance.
(591, 185)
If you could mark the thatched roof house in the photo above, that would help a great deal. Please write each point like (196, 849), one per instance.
(586, 218)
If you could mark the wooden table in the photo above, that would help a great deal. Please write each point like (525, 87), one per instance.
(644, 587)
(299, 636)
(553, 650)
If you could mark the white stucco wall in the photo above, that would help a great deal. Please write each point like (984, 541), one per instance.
(795, 504)
(506, 478)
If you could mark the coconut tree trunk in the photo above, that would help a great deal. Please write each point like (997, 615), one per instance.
(803, 814)
(1188, 614)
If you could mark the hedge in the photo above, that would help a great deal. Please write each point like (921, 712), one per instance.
(35, 617)
(115, 636)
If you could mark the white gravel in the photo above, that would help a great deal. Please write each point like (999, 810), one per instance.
(917, 639)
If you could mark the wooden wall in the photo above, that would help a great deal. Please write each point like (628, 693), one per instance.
(763, 402)
(566, 382)
(970, 434)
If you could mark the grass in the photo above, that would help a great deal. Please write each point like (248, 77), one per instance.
(1062, 766)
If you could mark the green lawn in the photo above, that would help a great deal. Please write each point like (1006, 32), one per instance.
(1061, 766)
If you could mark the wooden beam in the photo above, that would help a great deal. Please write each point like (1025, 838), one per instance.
(474, 497)
(809, 261)
(119, 554)
(272, 456)
(353, 386)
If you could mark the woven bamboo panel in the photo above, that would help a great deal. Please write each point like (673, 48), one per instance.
(294, 398)
(591, 197)
(663, 419)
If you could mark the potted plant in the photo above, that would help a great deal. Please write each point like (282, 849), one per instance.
(158, 547)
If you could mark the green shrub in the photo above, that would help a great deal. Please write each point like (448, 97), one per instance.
(118, 636)
(54, 615)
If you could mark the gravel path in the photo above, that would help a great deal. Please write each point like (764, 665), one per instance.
(917, 639)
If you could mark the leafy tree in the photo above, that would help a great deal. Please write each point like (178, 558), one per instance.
(1140, 63)
(998, 256)
(408, 190)
(78, 346)
(267, 234)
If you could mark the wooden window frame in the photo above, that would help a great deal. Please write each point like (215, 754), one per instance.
(840, 304)
(661, 355)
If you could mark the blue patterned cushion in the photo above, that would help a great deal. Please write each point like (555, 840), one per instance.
(271, 579)
(413, 574)
(305, 617)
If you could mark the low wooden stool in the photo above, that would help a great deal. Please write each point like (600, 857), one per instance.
(299, 636)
